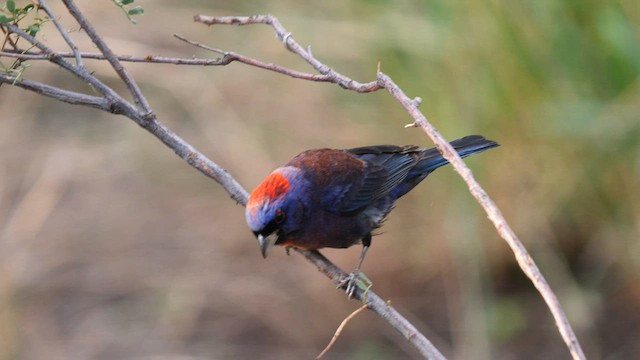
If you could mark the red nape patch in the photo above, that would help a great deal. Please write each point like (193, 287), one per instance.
(271, 188)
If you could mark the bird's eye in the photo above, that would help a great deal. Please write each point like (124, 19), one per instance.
(280, 216)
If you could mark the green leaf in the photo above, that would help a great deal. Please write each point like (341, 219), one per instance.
(33, 29)
(126, 2)
(27, 8)
(138, 10)
(11, 6)
(4, 19)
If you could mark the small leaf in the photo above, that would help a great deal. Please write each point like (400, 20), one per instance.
(27, 8)
(4, 19)
(11, 6)
(33, 29)
(126, 2)
(138, 10)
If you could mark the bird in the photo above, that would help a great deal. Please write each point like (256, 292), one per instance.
(336, 198)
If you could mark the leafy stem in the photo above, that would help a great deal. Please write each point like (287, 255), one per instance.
(129, 12)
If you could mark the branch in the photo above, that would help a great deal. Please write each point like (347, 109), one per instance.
(110, 56)
(7, 39)
(65, 35)
(66, 96)
(292, 46)
(229, 57)
(80, 71)
(523, 258)
(378, 305)
(152, 59)
(114, 103)
(199, 161)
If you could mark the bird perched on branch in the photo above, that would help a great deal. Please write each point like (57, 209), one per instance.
(336, 198)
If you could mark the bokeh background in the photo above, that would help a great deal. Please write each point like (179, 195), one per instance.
(111, 247)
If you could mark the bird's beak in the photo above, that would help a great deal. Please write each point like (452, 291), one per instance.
(266, 243)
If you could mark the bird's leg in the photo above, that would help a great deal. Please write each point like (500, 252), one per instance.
(352, 279)
(355, 274)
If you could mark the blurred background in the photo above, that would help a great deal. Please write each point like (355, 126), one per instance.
(111, 247)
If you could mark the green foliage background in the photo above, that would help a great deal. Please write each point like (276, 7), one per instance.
(112, 247)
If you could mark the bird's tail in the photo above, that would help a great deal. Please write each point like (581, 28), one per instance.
(431, 159)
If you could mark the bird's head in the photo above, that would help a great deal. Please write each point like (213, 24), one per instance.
(274, 208)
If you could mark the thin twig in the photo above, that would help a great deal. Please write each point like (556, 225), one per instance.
(70, 97)
(7, 39)
(378, 305)
(80, 71)
(340, 328)
(110, 56)
(146, 119)
(522, 256)
(152, 59)
(65, 35)
(229, 56)
(23, 34)
(118, 105)
(292, 46)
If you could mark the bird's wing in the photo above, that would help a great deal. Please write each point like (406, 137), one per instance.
(386, 166)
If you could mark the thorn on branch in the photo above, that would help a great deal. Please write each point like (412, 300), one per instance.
(412, 125)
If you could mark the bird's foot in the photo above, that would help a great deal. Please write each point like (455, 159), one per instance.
(354, 280)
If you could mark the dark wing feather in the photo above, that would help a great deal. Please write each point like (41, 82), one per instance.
(394, 170)
(386, 167)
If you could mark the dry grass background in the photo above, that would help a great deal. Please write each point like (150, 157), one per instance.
(113, 248)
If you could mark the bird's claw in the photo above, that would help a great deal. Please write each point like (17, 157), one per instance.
(355, 280)
(351, 283)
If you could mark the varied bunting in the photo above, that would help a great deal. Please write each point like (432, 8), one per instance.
(336, 198)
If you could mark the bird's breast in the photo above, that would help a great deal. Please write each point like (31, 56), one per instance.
(323, 229)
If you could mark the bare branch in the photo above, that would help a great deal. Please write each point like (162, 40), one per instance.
(522, 256)
(67, 96)
(79, 71)
(195, 158)
(383, 81)
(229, 57)
(152, 59)
(292, 46)
(109, 55)
(7, 39)
(378, 305)
(118, 105)
(62, 31)
(114, 103)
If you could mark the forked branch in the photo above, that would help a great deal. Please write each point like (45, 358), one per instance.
(109, 100)
(521, 254)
